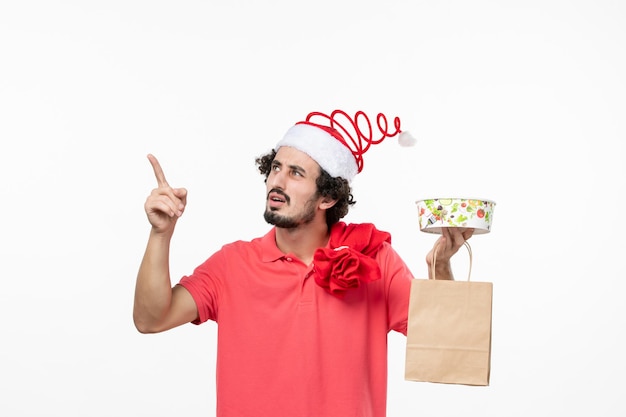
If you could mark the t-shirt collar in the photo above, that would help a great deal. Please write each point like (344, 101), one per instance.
(270, 251)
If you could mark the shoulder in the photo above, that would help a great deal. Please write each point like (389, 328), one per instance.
(241, 246)
(263, 247)
(390, 261)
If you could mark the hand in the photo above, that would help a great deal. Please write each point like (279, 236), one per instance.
(452, 238)
(165, 204)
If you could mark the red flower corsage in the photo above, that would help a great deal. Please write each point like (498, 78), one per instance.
(349, 261)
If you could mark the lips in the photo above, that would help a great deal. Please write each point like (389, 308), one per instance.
(277, 198)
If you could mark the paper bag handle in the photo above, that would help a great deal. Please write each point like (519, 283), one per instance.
(469, 250)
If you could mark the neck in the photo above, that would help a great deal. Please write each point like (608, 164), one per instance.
(303, 240)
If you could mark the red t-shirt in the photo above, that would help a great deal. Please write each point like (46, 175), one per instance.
(286, 346)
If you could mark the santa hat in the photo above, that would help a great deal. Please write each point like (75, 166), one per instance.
(326, 142)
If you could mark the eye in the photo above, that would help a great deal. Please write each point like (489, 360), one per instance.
(296, 173)
(275, 167)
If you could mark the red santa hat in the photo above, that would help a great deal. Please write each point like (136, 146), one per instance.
(337, 149)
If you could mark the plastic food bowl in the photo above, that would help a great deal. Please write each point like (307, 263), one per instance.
(437, 213)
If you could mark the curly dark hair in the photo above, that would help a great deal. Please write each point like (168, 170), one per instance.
(335, 188)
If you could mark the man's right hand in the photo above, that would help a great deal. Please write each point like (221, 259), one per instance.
(165, 204)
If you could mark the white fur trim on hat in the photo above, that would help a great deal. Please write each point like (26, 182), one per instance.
(332, 155)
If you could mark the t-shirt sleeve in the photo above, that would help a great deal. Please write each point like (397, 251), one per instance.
(204, 285)
(398, 280)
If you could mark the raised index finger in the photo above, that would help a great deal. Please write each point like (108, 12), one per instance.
(158, 171)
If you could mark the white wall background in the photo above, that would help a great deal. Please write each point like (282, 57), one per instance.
(519, 102)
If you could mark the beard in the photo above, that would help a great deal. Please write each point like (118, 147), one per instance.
(291, 222)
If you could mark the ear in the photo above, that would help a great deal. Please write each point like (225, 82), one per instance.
(327, 203)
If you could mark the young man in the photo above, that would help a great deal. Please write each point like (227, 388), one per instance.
(303, 312)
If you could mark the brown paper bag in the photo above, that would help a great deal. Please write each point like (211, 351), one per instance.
(449, 331)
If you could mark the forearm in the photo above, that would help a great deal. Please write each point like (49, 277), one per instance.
(153, 289)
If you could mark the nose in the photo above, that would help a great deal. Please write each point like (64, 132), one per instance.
(276, 179)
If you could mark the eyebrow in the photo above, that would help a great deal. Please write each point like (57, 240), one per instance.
(294, 167)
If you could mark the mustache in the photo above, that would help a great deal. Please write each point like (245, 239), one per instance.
(279, 192)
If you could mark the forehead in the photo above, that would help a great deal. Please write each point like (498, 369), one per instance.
(287, 155)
